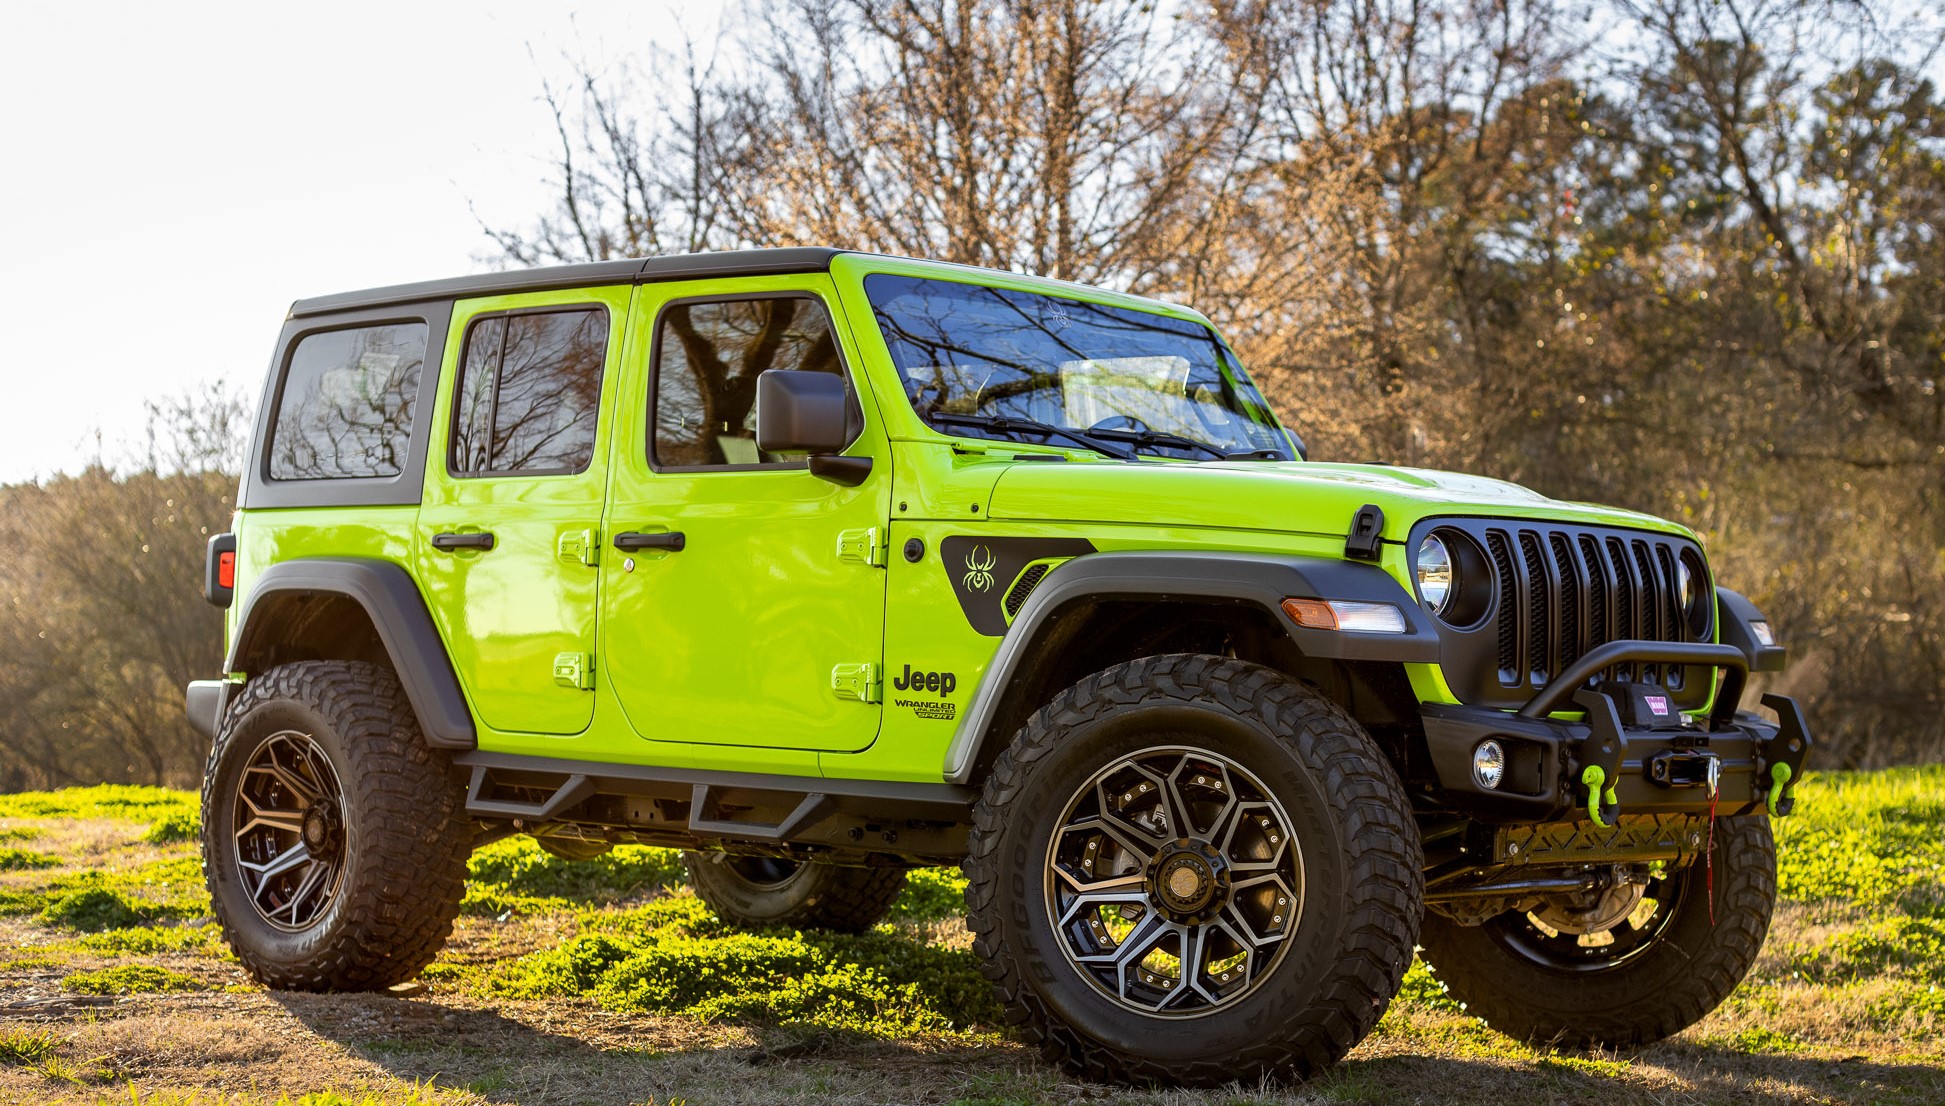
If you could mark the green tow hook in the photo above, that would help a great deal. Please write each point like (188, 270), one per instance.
(1603, 805)
(1779, 777)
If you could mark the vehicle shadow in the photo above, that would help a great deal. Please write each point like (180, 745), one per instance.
(1677, 1071)
(565, 1051)
(540, 1054)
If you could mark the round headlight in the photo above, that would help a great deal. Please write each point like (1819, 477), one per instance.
(1435, 579)
(1685, 582)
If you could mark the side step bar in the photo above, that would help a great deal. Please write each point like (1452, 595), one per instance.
(706, 806)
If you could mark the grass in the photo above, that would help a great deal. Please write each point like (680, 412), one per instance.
(606, 981)
(130, 979)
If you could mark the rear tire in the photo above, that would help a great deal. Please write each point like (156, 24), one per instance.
(334, 838)
(762, 892)
(1663, 975)
(1192, 870)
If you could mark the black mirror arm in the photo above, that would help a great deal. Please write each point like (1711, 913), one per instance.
(839, 469)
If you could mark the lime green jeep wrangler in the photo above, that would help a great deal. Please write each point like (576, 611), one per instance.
(822, 565)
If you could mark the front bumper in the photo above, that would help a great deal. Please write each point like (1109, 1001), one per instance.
(1608, 763)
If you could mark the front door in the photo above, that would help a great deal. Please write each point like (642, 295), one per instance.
(763, 623)
(509, 534)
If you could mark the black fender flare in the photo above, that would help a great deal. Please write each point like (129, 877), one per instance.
(1736, 616)
(1258, 579)
(397, 611)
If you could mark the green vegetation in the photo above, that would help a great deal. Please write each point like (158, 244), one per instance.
(22, 1045)
(106, 801)
(14, 860)
(179, 825)
(130, 979)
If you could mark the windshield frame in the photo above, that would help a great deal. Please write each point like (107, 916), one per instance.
(1259, 435)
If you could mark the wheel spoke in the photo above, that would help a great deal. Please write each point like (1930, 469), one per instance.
(1096, 899)
(316, 877)
(1151, 784)
(302, 789)
(1144, 933)
(283, 862)
(1136, 843)
(1111, 883)
(1188, 980)
(289, 821)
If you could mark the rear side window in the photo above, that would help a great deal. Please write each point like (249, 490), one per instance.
(529, 393)
(346, 406)
(708, 355)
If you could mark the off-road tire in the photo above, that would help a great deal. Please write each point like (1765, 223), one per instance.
(1351, 822)
(1667, 986)
(816, 895)
(405, 835)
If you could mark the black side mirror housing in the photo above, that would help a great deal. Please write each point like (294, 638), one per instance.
(798, 411)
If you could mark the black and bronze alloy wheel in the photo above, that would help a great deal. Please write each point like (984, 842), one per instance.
(334, 838)
(1193, 870)
(1172, 881)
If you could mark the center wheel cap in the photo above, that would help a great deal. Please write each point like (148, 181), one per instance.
(1189, 882)
(321, 831)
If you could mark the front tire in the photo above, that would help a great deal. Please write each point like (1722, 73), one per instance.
(1193, 870)
(755, 892)
(334, 839)
(1647, 976)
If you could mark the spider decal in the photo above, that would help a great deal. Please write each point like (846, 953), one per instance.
(979, 569)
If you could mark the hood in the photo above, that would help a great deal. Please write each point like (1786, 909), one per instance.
(1295, 496)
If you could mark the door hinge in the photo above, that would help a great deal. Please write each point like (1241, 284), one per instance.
(579, 547)
(866, 546)
(574, 670)
(857, 681)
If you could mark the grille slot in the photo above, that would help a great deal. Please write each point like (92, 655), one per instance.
(1564, 591)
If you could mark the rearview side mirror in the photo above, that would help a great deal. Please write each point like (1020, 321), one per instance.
(798, 411)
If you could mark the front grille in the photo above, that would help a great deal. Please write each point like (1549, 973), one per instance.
(1560, 598)
(1560, 591)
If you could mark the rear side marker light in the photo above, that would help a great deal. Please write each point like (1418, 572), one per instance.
(1348, 615)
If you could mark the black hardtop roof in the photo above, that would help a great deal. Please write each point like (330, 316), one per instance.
(686, 266)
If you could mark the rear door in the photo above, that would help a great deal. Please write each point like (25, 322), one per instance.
(764, 625)
(509, 534)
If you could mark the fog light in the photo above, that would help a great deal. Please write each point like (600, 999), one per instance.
(1488, 764)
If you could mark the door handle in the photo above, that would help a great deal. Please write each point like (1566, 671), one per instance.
(629, 542)
(450, 542)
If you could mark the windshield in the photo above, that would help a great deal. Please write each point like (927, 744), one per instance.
(997, 363)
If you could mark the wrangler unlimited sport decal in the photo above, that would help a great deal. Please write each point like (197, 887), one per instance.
(983, 571)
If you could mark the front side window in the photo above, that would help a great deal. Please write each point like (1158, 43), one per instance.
(708, 354)
(345, 408)
(529, 393)
(994, 362)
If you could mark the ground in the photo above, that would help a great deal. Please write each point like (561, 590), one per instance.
(606, 982)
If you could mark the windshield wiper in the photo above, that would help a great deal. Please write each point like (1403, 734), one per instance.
(1011, 424)
(1178, 441)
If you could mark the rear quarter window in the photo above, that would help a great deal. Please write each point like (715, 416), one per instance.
(346, 406)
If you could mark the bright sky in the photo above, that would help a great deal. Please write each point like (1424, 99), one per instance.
(173, 175)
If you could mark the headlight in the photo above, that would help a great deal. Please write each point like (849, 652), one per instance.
(1685, 583)
(1435, 578)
